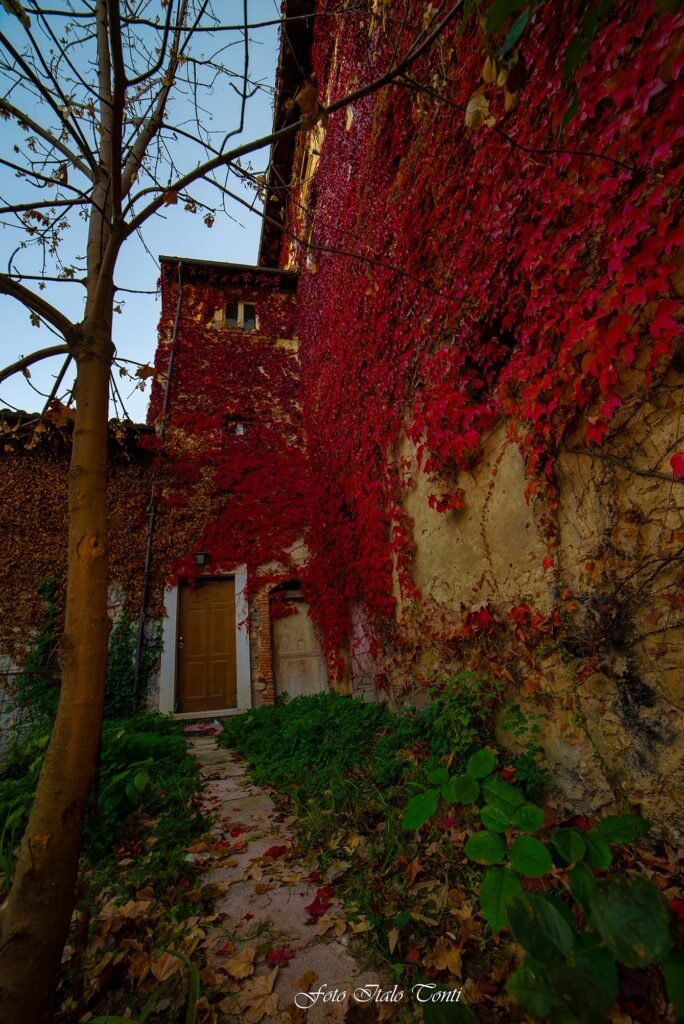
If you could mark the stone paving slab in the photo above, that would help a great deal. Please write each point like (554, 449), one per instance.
(264, 892)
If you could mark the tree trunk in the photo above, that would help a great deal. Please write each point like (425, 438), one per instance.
(34, 920)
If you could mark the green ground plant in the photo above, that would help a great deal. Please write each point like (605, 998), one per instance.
(145, 774)
(423, 813)
(140, 821)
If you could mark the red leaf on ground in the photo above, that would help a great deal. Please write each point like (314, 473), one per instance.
(578, 821)
(677, 908)
(279, 958)
(276, 851)
(321, 904)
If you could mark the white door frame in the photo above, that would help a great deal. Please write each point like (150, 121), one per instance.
(167, 668)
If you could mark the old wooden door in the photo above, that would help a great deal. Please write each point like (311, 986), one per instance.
(206, 665)
(299, 665)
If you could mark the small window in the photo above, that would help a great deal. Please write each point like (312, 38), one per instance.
(248, 316)
(231, 314)
(237, 314)
(233, 427)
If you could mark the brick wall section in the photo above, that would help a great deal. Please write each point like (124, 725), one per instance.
(264, 682)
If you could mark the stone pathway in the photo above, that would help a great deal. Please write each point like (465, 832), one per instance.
(279, 928)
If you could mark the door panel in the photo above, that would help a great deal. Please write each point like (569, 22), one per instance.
(299, 665)
(206, 664)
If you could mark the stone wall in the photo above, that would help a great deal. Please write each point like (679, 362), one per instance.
(604, 670)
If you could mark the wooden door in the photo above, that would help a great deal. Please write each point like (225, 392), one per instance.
(299, 665)
(206, 665)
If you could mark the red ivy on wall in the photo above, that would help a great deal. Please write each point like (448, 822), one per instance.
(479, 275)
(492, 278)
(234, 423)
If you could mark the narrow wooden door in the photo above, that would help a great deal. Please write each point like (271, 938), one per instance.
(298, 659)
(206, 666)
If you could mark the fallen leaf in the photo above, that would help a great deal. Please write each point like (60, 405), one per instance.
(135, 908)
(304, 983)
(205, 1012)
(166, 965)
(258, 998)
(276, 851)
(327, 922)
(290, 878)
(444, 956)
(242, 965)
(392, 939)
(414, 868)
(321, 903)
(138, 968)
(224, 950)
(279, 958)
(209, 977)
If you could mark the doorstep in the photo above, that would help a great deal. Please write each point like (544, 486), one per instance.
(196, 716)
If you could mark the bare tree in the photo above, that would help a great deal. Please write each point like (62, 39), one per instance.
(105, 98)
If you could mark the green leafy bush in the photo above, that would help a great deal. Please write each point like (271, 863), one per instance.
(144, 768)
(573, 941)
(330, 751)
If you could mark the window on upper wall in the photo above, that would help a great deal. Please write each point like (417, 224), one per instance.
(234, 427)
(237, 314)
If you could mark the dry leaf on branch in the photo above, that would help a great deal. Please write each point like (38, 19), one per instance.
(477, 111)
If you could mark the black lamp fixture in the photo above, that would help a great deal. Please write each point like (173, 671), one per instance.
(201, 557)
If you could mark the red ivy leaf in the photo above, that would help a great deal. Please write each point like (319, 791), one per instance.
(279, 958)
(677, 463)
(321, 904)
(275, 851)
(677, 908)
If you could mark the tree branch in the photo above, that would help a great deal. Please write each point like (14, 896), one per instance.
(42, 89)
(155, 121)
(34, 357)
(47, 136)
(38, 305)
(251, 147)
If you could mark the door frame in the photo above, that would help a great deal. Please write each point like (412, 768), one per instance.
(167, 669)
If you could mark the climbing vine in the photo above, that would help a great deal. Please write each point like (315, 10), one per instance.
(521, 266)
(233, 468)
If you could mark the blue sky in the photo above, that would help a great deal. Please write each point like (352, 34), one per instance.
(173, 233)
